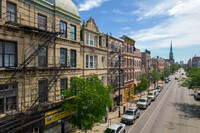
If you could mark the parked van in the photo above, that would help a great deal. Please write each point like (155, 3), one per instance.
(152, 95)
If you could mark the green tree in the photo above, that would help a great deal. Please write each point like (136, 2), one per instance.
(192, 81)
(162, 76)
(90, 102)
(167, 72)
(155, 75)
(175, 67)
(143, 85)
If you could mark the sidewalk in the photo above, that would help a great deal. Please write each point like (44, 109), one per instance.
(113, 116)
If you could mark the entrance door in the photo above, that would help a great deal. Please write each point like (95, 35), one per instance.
(43, 91)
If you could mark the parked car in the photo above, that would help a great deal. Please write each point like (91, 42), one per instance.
(169, 79)
(176, 78)
(159, 88)
(197, 94)
(116, 128)
(166, 81)
(152, 95)
(143, 102)
(157, 92)
(131, 115)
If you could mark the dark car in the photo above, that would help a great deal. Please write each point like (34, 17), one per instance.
(166, 81)
(176, 78)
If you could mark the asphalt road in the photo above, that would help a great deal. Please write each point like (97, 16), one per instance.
(174, 111)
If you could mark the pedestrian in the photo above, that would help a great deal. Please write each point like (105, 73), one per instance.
(106, 117)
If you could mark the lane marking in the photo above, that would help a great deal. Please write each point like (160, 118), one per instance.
(154, 110)
(167, 86)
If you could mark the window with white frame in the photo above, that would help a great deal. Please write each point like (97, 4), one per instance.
(103, 61)
(91, 61)
(87, 38)
(91, 39)
(104, 42)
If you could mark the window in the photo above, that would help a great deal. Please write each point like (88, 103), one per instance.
(42, 22)
(0, 9)
(11, 12)
(63, 29)
(129, 62)
(73, 58)
(50, 1)
(103, 79)
(125, 62)
(63, 57)
(1, 105)
(8, 54)
(112, 62)
(125, 76)
(112, 46)
(125, 48)
(116, 47)
(43, 91)
(95, 40)
(103, 61)
(132, 75)
(87, 38)
(72, 32)
(42, 57)
(10, 103)
(120, 47)
(116, 61)
(72, 87)
(63, 86)
(91, 61)
(8, 100)
(112, 79)
(104, 42)
(129, 76)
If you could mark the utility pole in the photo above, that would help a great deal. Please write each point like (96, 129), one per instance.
(119, 78)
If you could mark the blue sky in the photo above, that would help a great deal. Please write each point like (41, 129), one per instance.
(152, 23)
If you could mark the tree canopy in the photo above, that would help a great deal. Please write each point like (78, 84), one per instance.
(155, 75)
(143, 85)
(193, 78)
(175, 67)
(90, 101)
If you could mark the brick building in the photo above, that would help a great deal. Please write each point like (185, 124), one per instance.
(196, 61)
(115, 45)
(146, 61)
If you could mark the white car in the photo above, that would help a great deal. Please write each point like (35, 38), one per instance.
(152, 95)
(197, 95)
(157, 92)
(116, 128)
(143, 102)
(131, 115)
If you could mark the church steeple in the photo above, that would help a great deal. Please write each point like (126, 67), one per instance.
(171, 58)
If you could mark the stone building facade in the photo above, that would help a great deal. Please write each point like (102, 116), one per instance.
(146, 61)
(138, 63)
(39, 56)
(93, 51)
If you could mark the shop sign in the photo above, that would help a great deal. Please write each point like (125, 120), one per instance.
(56, 115)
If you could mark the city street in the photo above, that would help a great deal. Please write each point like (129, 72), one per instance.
(174, 111)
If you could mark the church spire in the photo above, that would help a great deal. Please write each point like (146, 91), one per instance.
(171, 53)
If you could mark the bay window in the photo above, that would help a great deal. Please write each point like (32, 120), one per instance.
(91, 39)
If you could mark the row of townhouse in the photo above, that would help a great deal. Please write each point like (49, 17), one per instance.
(43, 46)
(194, 62)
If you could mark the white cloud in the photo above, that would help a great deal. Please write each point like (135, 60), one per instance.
(126, 28)
(89, 4)
(181, 25)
